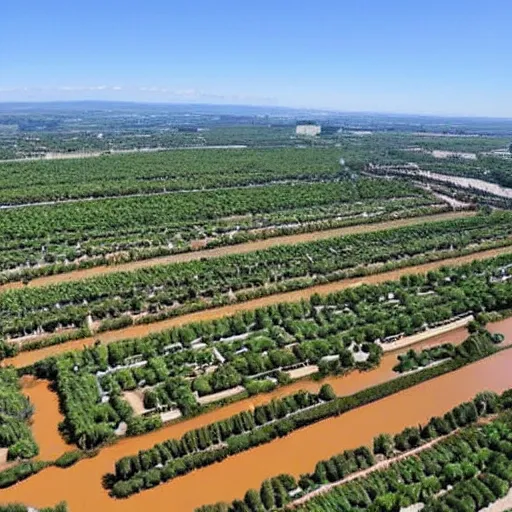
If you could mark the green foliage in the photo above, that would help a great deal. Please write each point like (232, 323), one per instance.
(68, 459)
(327, 393)
(421, 478)
(412, 360)
(110, 298)
(214, 442)
(144, 227)
(20, 472)
(309, 330)
(61, 507)
(383, 444)
(15, 413)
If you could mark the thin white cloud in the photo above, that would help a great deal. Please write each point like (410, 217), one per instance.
(134, 93)
(75, 88)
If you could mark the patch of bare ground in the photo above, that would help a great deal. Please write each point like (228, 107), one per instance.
(299, 373)
(136, 401)
(221, 395)
(429, 333)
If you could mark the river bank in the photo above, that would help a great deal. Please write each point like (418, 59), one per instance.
(81, 486)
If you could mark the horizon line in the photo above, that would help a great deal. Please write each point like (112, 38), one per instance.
(258, 106)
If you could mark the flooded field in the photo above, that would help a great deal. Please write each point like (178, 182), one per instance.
(237, 249)
(81, 487)
(27, 358)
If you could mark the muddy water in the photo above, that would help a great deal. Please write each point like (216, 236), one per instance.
(237, 249)
(46, 418)
(81, 487)
(138, 331)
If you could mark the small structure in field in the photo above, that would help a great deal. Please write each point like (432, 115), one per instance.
(308, 129)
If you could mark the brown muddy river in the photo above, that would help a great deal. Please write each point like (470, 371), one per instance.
(237, 249)
(138, 331)
(46, 418)
(81, 487)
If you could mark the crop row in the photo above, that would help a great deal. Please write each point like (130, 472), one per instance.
(24, 182)
(61, 507)
(467, 471)
(220, 438)
(97, 245)
(126, 215)
(170, 289)
(257, 344)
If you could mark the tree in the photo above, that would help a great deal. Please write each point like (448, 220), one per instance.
(383, 444)
(225, 377)
(253, 501)
(486, 402)
(240, 506)
(267, 495)
(280, 494)
(386, 503)
(202, 386)
(327, 393)
(321, 473)
(124, 468)
(453, 473)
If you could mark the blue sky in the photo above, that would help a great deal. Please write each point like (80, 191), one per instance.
(412, 56)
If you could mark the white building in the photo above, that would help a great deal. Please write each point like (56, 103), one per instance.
(308, 129)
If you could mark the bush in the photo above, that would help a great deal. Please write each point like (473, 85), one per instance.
(23, 449)
(383, 444)
(68, 459)
(20, 472)
(327, 393)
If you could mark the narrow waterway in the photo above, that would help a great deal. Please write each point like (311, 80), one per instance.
(297, 453)
(244, 248)
(141, 330)
(46, 418)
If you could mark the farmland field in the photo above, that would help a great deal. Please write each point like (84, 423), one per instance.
(145, 295)
(94, 232)
(172, 318)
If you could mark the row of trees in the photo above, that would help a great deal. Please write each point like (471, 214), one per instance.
(450, 462)
(68, 253)
(413, 359)
(71, 230)
(214, 442)
(212, 448)
(25, 182)
(195, 284)
(314, 328)
(61, 507)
